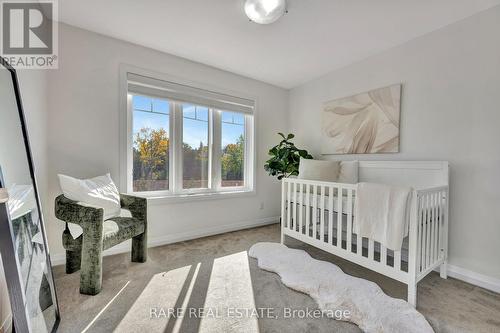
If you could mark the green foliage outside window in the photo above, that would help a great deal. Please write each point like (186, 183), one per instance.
(150, 169)
(150, 162)
(232, 161)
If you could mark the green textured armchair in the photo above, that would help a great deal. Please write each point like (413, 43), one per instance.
(85, 252)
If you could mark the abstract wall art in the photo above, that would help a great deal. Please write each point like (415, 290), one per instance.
(362, 124)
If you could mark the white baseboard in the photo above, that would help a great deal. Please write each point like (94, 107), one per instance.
(60, 258)
(477, 279)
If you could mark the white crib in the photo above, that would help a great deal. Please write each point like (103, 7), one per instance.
(310, 210)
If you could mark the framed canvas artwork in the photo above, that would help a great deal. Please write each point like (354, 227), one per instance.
(366, 123)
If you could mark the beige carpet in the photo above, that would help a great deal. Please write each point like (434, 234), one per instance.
(215, 272)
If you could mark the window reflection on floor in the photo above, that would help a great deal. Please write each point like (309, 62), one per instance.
(230, 288)
(195, 298)
(162, 292)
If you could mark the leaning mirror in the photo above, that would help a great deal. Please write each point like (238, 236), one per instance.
(23, 244)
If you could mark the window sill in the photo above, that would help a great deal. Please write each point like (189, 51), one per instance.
(157, 200)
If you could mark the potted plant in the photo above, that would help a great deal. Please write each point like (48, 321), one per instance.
(285, 158)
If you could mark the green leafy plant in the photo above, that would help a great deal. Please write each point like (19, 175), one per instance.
(285, 158)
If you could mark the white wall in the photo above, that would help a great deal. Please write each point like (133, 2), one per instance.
(33, 86)
(450, 111)
(83, 132)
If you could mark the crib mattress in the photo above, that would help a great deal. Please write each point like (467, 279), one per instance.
(345, 208)
(364, 245)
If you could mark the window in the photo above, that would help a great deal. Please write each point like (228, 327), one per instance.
(233, 149)
(150, 144)
(195, 158)
(185, 140)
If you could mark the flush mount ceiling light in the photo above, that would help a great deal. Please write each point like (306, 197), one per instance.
(265, 11)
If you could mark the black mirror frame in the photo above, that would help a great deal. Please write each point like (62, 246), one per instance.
(7, 246)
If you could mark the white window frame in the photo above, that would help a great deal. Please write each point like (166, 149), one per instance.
(176, 191)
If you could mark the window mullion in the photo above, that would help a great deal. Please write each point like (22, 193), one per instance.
(171, 147)
(130, 146)
(216, 150)
(177, 186)
(211, 185)
(248, 153)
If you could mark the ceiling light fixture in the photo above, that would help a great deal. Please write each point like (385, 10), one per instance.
(265, 11)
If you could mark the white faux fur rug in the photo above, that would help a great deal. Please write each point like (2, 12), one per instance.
(332, 289)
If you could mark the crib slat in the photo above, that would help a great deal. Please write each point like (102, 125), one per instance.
(433, 225)
(428, 235)
(359, 244)
(371, 248)
(431, 228)
(440, 224)
(322, 218)
(283, 202)
(330, 215)
(289, 206)
(301, 207)
(419, 232)
(339, 217)
(349, 220)
(359, 240)
(444, 223)
(397, 260)
(294, 213)
(383, 255)
(424, 233)
(438, 219)
(308, 209)
(314, 211)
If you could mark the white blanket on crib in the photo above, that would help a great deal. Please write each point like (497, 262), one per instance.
(381, 213)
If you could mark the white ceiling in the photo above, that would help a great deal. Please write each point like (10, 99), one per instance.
(315, 37)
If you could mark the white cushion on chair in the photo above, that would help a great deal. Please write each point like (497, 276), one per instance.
(98, 192)
(326, 171)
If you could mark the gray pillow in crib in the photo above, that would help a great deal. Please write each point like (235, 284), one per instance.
(325, 171)
(349, 172)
